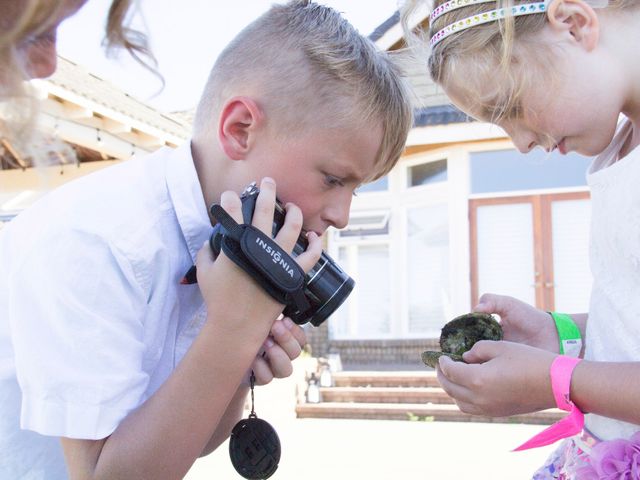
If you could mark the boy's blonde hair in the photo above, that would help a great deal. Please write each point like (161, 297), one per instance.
(310, 68)
(505, 51)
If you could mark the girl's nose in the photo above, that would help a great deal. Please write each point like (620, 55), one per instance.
(524, 142)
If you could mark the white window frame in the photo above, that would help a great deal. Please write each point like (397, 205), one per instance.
(395, 203)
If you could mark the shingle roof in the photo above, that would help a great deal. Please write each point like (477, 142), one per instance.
(80, 81)
(434, 107)
(439, 115)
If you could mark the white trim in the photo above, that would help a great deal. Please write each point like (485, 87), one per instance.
(454, 133)
(524, 193)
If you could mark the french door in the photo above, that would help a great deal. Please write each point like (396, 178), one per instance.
(532, 247)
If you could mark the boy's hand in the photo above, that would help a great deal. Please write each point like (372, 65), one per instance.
(500, 379)
(227, 289)
(283, 345)
(521, 322)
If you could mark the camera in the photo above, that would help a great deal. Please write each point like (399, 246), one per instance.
(326, 285)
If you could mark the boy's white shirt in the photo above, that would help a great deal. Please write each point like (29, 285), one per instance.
(93, 317)
(613, 328)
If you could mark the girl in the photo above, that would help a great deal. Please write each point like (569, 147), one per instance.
(558, 75)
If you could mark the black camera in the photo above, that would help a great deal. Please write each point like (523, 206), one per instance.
(326, 285)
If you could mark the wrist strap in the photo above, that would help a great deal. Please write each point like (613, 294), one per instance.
(568, 333)
(561, 371)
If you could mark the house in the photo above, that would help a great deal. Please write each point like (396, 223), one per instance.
(461, 214)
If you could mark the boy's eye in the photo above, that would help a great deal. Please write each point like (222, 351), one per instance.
(333, 181)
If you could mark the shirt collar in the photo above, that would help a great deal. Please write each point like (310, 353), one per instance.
(188, 200)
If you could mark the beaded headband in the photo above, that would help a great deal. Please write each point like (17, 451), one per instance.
(480, 18)
(454, 5)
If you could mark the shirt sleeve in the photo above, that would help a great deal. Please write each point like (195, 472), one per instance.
(77, 330)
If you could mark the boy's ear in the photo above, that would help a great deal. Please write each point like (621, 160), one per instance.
(577, 18)
(239, 119)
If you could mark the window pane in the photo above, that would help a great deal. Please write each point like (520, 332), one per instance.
(380, 185)
(339, 320)
(370, 317)
(428, 268)
(505, 251)
(373, 291)
(509, 170)
(428, 173)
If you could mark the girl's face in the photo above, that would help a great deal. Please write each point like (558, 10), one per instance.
(573, 105)
(38, 49)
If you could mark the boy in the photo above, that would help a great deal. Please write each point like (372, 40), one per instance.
(100, 345)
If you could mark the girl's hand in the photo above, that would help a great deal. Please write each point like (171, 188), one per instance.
(283, 345)
(521, 322)
(500, 379)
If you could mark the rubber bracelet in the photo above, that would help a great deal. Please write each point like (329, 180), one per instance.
(568, 333)
(560, 371)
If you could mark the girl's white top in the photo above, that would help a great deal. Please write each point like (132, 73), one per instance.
(613, 329)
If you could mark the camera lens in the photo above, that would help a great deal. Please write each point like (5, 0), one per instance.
(327, 286)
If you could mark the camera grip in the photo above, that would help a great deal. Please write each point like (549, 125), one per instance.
(263, 259)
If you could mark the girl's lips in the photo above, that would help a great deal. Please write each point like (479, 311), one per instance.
(562, 147)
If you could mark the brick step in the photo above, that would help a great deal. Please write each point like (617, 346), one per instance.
(385, 395)
(425, 378)
(407, 411)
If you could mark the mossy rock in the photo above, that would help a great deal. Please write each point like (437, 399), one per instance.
(461, 333)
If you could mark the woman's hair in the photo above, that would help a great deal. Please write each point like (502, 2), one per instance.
(309, 66)
(505, 50)
(24, 21)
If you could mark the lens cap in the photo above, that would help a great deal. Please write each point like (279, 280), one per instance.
(254, 448)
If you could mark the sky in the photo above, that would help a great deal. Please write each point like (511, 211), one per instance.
(185, 36)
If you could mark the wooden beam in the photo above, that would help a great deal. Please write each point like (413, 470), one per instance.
(114, 126)
(13, 152)
(74, 111)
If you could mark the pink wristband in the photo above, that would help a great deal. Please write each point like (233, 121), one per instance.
(560, 371)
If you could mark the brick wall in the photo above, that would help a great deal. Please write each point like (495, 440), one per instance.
(369, 352)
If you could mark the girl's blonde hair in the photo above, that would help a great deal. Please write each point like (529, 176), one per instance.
(311, 68)
(503, 50)
(26, 20)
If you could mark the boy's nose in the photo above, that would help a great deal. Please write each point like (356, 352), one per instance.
(337, 215)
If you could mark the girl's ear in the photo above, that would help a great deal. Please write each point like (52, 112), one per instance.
(240, 118)
(576, 18)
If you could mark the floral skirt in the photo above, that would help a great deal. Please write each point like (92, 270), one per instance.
(584, 457)
(565, 462)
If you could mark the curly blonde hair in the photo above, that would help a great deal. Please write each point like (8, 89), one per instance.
(504, 50)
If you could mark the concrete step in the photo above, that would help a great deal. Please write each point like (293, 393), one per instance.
(385, 395)
(425, 378)
(423, 412)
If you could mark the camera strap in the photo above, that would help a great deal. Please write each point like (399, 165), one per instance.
(262, 258)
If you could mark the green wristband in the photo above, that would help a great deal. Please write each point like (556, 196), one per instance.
(568, 333)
